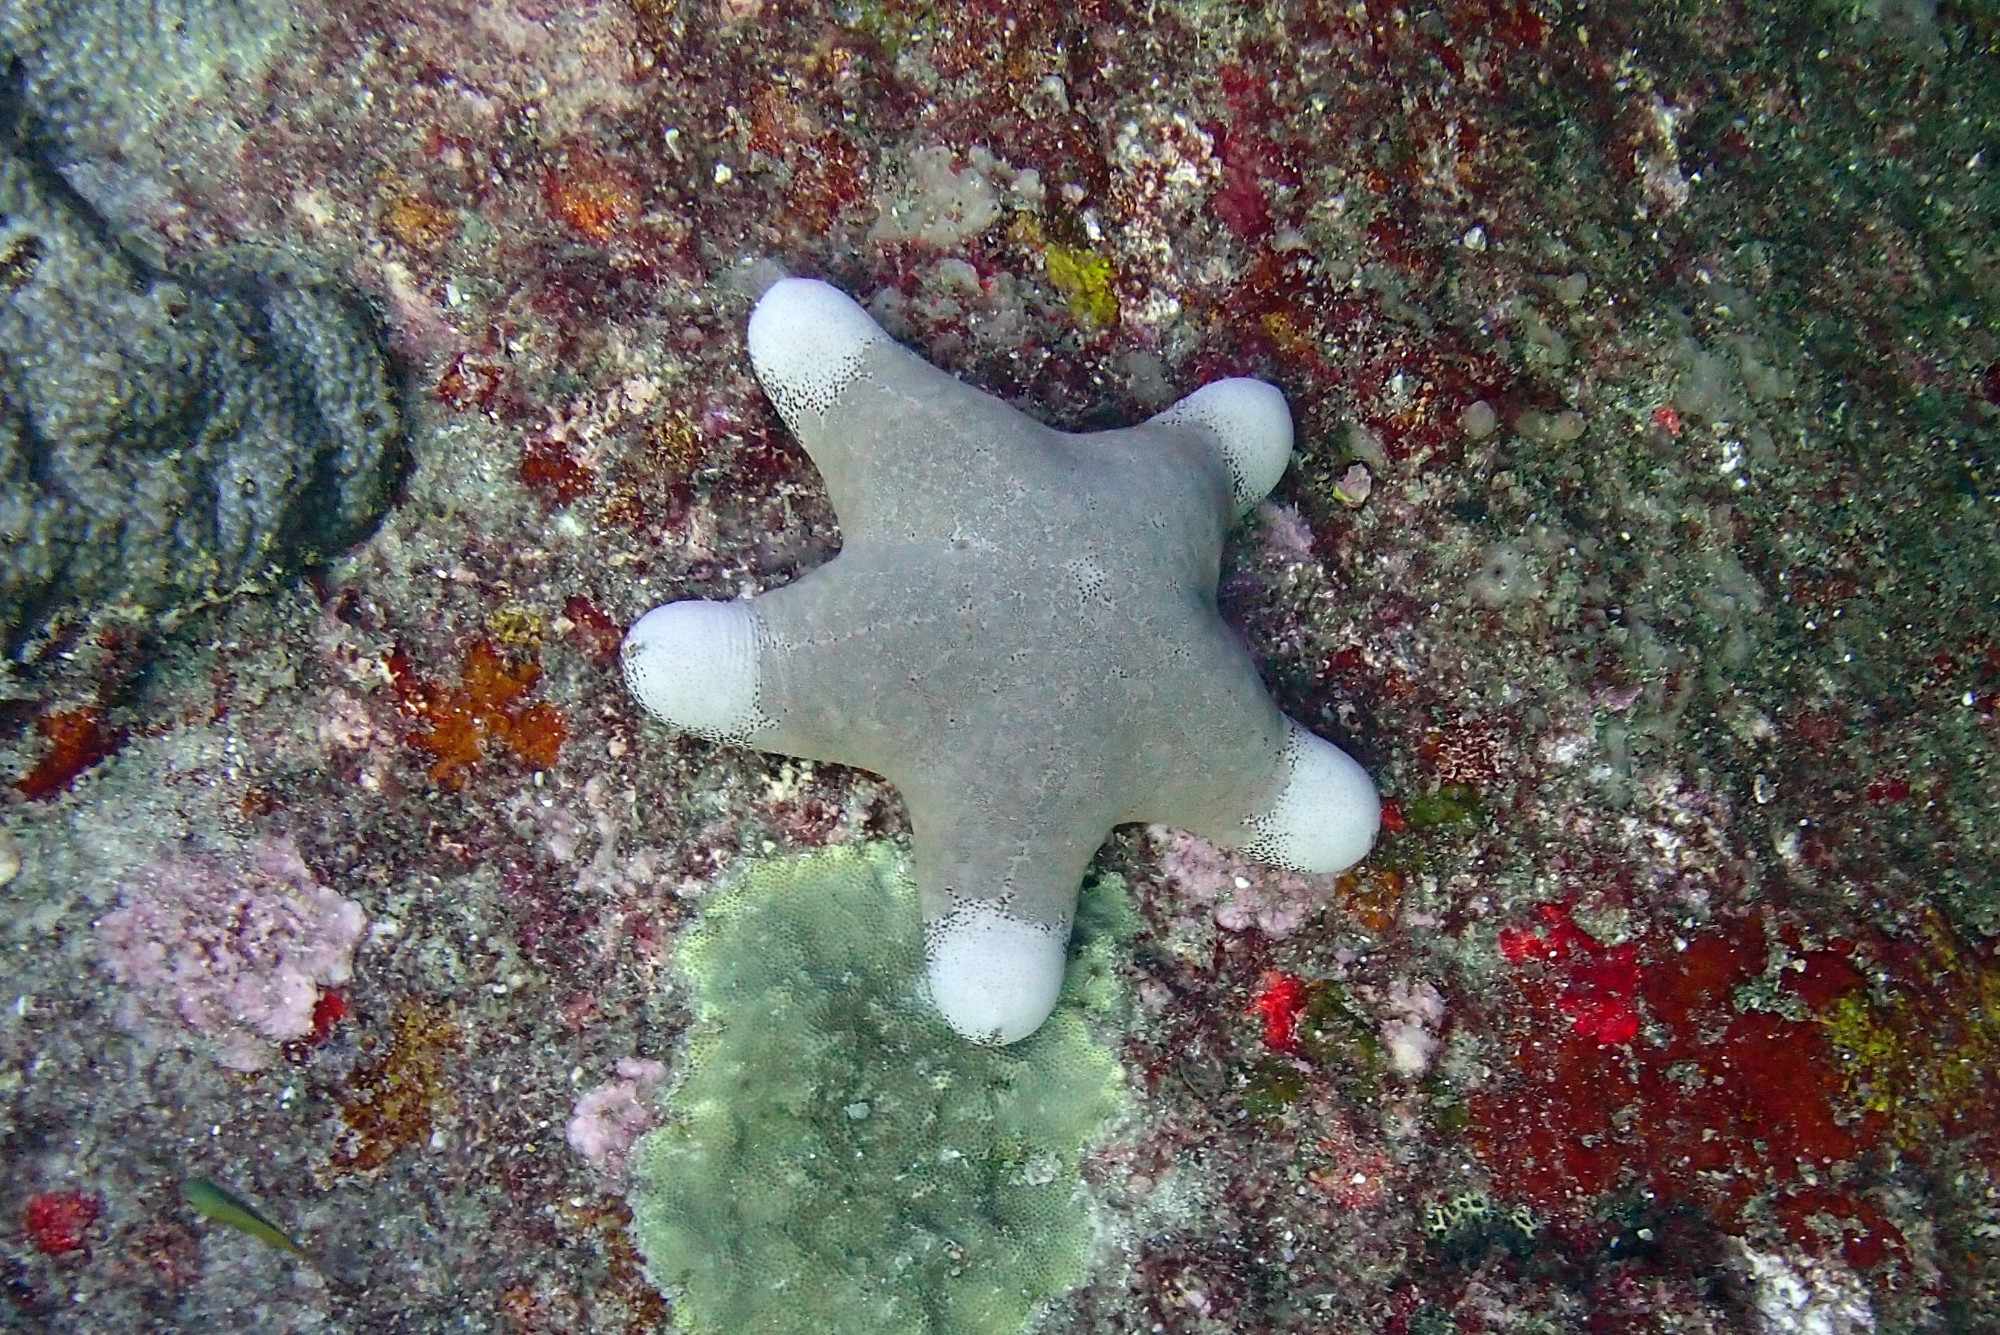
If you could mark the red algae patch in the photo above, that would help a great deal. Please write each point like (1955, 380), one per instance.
(1716, 1103)
(1279, 1002)
(58, 1222)
(78, 741)
(1599, 981)
(553, 473)
(486, 714)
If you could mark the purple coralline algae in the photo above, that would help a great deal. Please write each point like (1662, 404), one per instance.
(1239, 892)
(609, 1118)
(236, 953)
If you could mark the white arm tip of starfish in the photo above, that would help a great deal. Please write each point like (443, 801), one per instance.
(807, 340)
(993, 976)
(1325, 817)
(694, 665)
(1253, 426)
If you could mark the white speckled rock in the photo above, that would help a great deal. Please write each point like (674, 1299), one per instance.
(1020, 633)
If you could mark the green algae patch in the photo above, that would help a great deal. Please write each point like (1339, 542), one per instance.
(834, 1157)
(1452, 804)
(1087, 282)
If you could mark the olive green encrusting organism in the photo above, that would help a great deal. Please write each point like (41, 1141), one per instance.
(835, 1158)
(170, 437)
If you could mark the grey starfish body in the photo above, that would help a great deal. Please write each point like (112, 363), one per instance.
(1020, 633)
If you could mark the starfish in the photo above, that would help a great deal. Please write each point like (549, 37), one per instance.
(1020, 634)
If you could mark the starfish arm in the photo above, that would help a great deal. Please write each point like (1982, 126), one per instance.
(697, 666)
(1240, 774)
(994, 977)
(1246, 423)
(1324, 815)
(783, 672)
(841, 677)
(900, 443)
(998, 885)
(1205, 739)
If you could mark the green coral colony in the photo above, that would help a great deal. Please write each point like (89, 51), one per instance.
(835, 1157)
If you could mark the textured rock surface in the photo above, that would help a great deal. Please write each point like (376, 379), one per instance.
(101, 73)
(166, 437)
(1668, 337)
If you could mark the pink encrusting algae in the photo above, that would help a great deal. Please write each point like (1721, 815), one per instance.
(236, 952)
(610, 1117)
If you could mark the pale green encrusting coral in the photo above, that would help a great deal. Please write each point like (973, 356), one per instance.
(834, 1158)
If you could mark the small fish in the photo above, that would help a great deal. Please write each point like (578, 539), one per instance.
(215, 1201)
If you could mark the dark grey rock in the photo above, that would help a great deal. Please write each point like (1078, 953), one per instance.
(100, 74)
(172, 436)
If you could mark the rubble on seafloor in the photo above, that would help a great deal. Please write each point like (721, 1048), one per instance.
(1640, 540)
